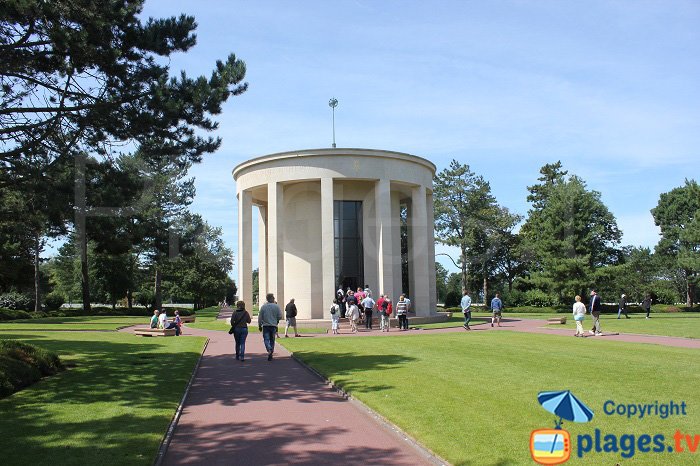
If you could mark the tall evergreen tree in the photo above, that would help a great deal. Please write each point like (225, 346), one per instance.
(569, 232)
(677, 214)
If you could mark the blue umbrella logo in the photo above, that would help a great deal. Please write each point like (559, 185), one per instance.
(553, 446)
(565, 405)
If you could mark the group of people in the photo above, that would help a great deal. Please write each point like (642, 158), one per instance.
(496, 309)
(579, 311)
(160, 320)
(269, 317)
(359, 307)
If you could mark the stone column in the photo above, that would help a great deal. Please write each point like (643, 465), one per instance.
(327, 246)
(262, 253)
(245, 247)
(420, 294)
(385, 257)
(432, 303)
(275, 255)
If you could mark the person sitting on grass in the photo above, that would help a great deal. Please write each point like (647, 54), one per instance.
(154, 319)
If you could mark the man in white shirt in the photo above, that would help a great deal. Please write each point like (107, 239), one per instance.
(466, 305)
(368, 304)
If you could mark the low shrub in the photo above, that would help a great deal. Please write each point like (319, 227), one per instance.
(9, 314)
(538, 298)
(54, 301)
(22, 365)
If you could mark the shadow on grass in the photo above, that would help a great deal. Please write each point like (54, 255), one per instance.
(116, 372)
(123, 439)
(111, 406)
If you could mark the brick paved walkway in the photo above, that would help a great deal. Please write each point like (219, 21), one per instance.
(274, 413)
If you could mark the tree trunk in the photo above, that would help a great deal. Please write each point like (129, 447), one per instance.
(690, 291)
(158, 297)
(129, 298)
(80, 229)
(486, 290)
(84, 275)
(465, 278)
(37, 275)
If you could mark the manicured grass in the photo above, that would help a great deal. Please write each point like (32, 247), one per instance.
(472, 397)
(684, 324)
(112, 406)
(74, 323)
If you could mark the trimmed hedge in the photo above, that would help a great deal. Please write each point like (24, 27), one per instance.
(22, 365)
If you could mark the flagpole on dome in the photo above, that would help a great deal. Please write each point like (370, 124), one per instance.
(332, 104)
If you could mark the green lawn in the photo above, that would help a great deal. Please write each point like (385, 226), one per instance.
(474, 402)
(74, 323)
(112, 406)
(684, 324)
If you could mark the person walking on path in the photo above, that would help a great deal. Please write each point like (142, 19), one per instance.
(353, 316)
(466, 305)
(496, 310)
(623, 306)
(579, 312)
(268, 319)
(335, 316)
(340, 300)
(368, 303)
(595, 312)
(239, 328)
(290, 311)
(385, 314)
(402, 312)
(646, 304)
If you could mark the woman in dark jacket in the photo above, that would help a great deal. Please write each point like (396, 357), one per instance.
(239, 328)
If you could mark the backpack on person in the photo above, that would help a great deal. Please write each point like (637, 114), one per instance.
(334, 308)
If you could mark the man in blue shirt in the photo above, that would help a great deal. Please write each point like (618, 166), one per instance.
(466, 305)
(496, 310)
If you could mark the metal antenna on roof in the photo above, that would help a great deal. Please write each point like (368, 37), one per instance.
(332, 104)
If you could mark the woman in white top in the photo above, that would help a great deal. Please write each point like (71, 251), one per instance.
(579, 313)
(354, 315)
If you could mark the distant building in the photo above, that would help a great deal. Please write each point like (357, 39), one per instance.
(331, 217)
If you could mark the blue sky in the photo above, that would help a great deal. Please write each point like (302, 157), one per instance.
(609, 88)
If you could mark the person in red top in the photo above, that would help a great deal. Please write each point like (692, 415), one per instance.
(384, 313)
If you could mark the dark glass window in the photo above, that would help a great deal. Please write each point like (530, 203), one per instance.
(349, 263)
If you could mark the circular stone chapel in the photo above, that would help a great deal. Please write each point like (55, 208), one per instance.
(333, 217)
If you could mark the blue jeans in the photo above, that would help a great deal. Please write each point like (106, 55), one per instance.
(239, 335)
(467, 318)
(269, 333)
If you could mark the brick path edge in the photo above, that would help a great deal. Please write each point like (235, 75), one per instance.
(381, 420)
(165, 442)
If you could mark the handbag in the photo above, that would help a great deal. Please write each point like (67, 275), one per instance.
(233, 325)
